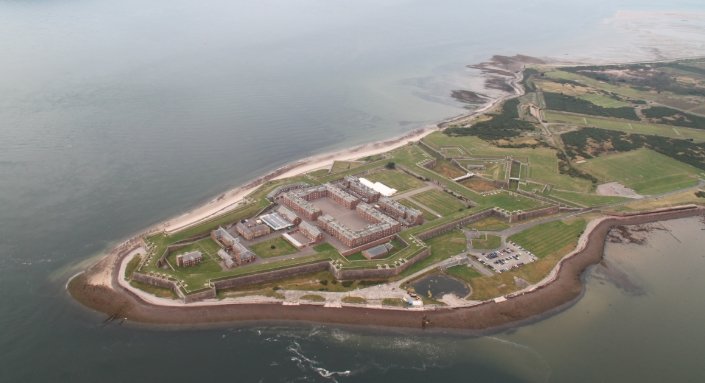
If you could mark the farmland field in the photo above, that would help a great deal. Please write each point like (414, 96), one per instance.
(544, 239)
(645, 171)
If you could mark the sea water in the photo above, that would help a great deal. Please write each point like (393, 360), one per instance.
(115, 115)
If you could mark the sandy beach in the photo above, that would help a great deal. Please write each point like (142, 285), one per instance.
(231, 199)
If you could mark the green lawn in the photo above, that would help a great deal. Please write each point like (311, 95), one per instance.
(442, 247)
(463, 272)
(395, 179)
(547, 238)
(626, 126)
(487, 242)
(511, 202)
(274, 247)
(644, 170)
(439, 201)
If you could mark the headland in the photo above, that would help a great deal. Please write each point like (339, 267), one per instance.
(513, 202)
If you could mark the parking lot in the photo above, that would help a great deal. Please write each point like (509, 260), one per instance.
(509, 257)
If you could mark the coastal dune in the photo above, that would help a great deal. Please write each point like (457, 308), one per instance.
(558, 293)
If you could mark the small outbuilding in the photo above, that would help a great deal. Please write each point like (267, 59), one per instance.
(378, 251)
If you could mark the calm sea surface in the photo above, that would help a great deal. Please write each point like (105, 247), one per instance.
(115, 115)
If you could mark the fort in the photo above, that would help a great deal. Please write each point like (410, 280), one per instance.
(442, 206)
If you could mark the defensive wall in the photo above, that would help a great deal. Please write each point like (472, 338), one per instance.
(269, 276)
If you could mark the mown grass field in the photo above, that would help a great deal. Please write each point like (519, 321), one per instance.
(438, 201)
(550, 242)
(545, 239)
(626, 126)
(395, 179)
(644, 170)
(274, 247)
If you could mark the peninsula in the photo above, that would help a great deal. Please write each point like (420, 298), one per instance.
(482, 221)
